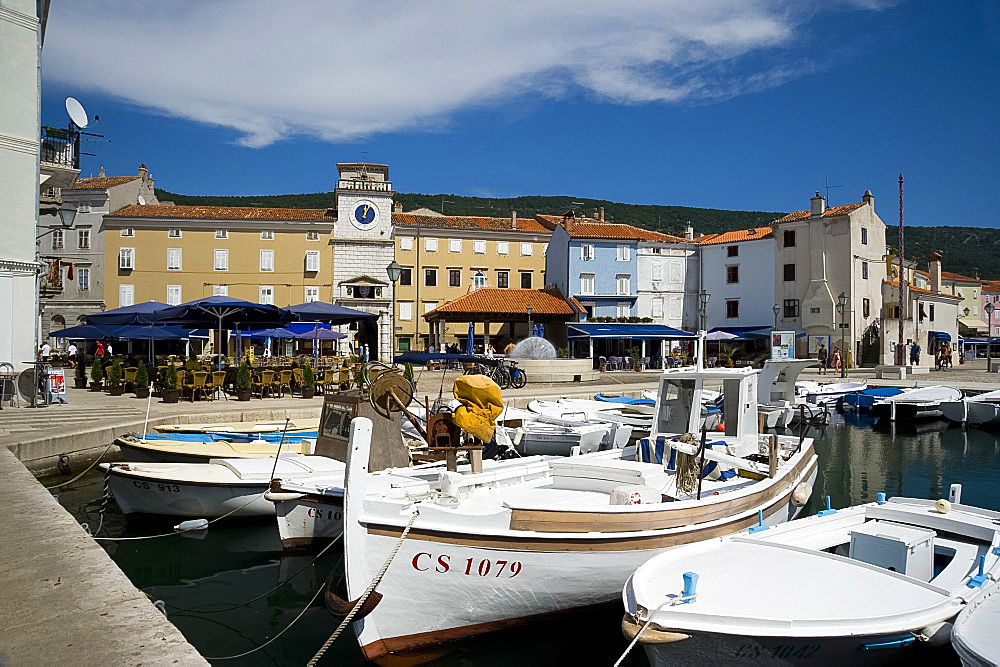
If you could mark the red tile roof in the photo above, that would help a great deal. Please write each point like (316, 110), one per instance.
(224, 213)
(913, 288)
(957, 277)
(843, 209)
(102, 182)
(506, 303)
(991, 286)
(466, 222)
(740, 235)
(589, 228)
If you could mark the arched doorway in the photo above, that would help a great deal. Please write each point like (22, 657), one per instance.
(367, 334)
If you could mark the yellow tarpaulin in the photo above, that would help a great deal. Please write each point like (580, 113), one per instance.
(481, 405)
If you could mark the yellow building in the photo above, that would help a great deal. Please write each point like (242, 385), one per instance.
(175, 254)
(445, 257)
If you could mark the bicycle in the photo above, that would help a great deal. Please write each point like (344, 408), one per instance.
(518, 378)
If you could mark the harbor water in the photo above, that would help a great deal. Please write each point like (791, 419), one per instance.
(230, 589)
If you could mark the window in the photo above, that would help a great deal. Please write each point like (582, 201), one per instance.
(173, 233)
(478, 280)
(932, 312)
(266, 260)
(975, 310)
(220, 290)
(404, 344)
(733, 251)
(430, 277)
(312, 294)
(222, 233)
(431, 244)
(586, 283)
(406, 243)
(624, 284)
(406, 310)
(789, 238)
(624, 253)
(657, 271)
(221, 260)
(429, 306)
(479, 247)
(864, 236)
(83, 279)
(454, 245)
(503, 248)
(57, 240)
(866, 307)
(545, 249)
(83, 239)
(960, 293)
(732, 308)
(312, 236)
(126, 295)
(789, 271)
(267, 235)
(266, 294)
(814, 311)
(526, 250)
(454, 278)
(312, 260)
(503, 278)
(406, 276)
(127, 231)
(864, 270)
(624, 309)
(173, 259)
(657, 307)
(174, 295)
(587, 251)
(525, 279)
(732, 274)
(975, 294)
(126, 258)
(83, 207)
(791, 308)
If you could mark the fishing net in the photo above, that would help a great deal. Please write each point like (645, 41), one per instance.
(687, 466)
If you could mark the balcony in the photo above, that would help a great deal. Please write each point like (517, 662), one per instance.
(59, 163)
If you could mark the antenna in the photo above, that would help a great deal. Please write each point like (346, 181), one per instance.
(828, 186)
(76, 112)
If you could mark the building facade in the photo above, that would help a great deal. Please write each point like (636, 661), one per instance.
(667, 281)
(930, 317)
(732, 263)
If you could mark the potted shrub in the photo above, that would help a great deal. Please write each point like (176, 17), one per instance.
(115, 376)
(408, 376)
(243, 381)
(633, 353)
(81, 371)
(141, 381)
(96, 375)
(726, 355)
(308, 382)
(171, 387)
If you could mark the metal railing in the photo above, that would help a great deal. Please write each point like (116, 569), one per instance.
(60, 147)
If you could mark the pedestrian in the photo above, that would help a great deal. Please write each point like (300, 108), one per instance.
(44, 352)
(915, 354)
(821, 355)
(507, 350)
(836, 360)
(100, 350)
(366, 352)
(71, 351)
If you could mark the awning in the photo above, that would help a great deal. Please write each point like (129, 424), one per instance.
(745, 333)
(634, 331)
(939, 335)
(973, 322)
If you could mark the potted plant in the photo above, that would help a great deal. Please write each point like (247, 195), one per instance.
(171, 388)
(308, 382)
(243, 381)
(115, 375)
(96, 375)
(633, 353)
(726, 355)
(81, 371)
(141, 381)
(408, 376)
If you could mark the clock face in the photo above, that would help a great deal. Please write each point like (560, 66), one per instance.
(365, 215)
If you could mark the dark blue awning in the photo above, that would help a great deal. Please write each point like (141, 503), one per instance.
(634, 331)
(939, 335)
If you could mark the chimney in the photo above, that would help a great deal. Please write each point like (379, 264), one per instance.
(101, 173)
(818, 206)
(513, 219)
(934, 268)
(397, 207)
(143, 171)
(869, 198)
(569, 221)
(601, 218)
(689, 232)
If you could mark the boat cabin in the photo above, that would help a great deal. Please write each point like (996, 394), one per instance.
(339, 408)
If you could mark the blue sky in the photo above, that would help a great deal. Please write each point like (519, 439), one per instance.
(726, 104)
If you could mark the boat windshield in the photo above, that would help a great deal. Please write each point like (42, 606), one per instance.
(676, 399)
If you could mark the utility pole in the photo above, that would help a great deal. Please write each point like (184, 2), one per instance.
(900, 359)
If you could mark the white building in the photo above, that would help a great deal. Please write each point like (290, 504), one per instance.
(736, 274)
(667, 283)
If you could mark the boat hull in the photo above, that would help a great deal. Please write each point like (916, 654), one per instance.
(309, 521)
(171, 497)
(166, 451)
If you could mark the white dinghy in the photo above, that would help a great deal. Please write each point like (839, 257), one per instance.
(819, 393)
(921, 403)
(533, 536)
(979, 410)
(974, 636)
(871, 583)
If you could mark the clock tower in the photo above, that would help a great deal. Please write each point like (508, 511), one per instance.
(364, 201)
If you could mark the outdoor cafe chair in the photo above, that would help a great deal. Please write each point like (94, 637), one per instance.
(282, 379)
(218, 384)
(298, 377)
(344, 379)
(262, 383)
(130, 377)
(199, 384)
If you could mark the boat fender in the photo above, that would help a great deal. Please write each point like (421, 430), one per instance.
(720, 427)
(936, 634)
(340, 607)
(279, 496)
(942, 506)
(191, 524)
(801, 494)
(630, 628)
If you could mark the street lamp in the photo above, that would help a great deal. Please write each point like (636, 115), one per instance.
(703, 306)
(528, 308)
(394, 270)
(776, 310)
(989, 337)
(842, 309)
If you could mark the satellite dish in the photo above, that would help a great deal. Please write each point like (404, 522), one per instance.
(142, 200)
(76, 112)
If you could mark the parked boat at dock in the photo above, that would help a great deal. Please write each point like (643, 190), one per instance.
(819, 393)
(979, 410)
(777, 400)
(202, 447)
(974, 635)
(863, 400)
(919, 403)
(242, 427)
(872, 582)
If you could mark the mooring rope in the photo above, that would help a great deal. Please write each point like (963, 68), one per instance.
(105, 497)
(88, 469)
(178, 532)
(368, 591)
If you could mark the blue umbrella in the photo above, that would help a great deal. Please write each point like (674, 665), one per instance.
(541, 330)
(139, 313)
(86, 332)
(139, 332)
(470, 347)
(221, 310)
(319, 334)
(320, 311)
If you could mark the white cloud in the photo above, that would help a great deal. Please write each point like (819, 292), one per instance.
(346, 69)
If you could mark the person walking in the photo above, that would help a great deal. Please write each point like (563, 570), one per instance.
(71, 353)
(836, 360)
(915, 354)
(366, 352)
(100, 350)
(821, 355)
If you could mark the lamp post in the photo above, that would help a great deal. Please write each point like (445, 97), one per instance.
(394, 270)
(703, 306)
(989, 337)
(776, 310)
(842, 308)
(528, 308)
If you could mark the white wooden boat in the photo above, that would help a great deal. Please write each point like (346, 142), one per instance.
(207, 490)
(870, 583)
(241, 427)
(310, 510)
(974, 635)
(777, 399)
(819, 393)
(534, 536)
(979, 410)
(201, 448)
(921, 403)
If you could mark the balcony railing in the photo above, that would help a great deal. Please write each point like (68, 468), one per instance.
(60, 147)
(371, 186)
